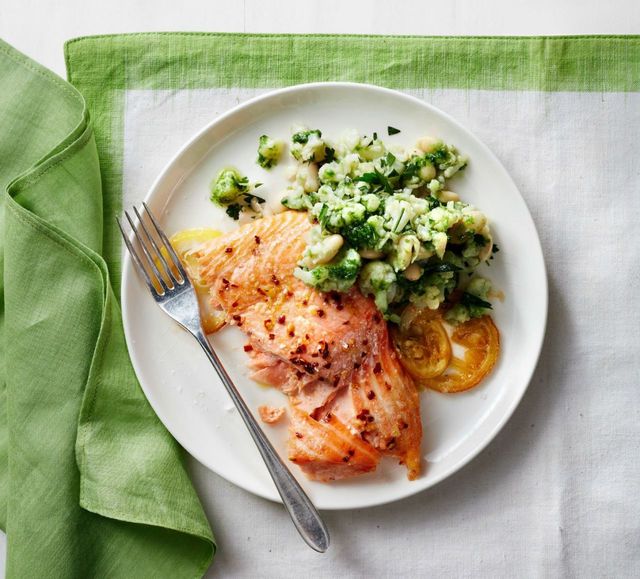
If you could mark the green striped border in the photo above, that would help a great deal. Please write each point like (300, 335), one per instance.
(103, 67)
(201, 60)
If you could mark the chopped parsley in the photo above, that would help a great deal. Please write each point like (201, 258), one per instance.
(233, 211)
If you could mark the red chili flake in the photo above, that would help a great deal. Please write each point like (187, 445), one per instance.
(291, 333)
(299, 375)
(377, 318)
(324, 349)
(377, 368)
(272, 336)
(387, 385)
(315, 355)
(346, 458)
(275, 280)
(235, 304)
(308, 367)
(345, 323)
(340, 307)
(320, 313)
(327, 365)
(228, 250)
(282, 320)
(363, 354)
(403, 425)
(248, 347)
(237, 319)
(305, 302)
(301, 349)
(327, 417)
(365, 342)
(307, 337)
(362, 415)
(356, 366)
(298, 435)
(261, 291)
(225, 281)
(371, 395)
(336, 381)
(289, 294)
(233, 285)
(256, 239)
(370, 418)
(351, 452)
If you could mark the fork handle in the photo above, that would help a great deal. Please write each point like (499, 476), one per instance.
(304, 515)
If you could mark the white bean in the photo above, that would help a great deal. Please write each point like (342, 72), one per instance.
(447, 196)
(310, 180)
(413, 272)
(427, 144)
(427, 172)
(370, 253)
(330, 246)
(479, 220)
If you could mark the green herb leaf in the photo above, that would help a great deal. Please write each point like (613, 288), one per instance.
(360, 236)
(233, 211)
(479, 239)
(395, 227)
(471, 300)
(390, 159)
(440, 267)
(369, 178)
(322, 217)
(329, 154)
(382, 179)
(392, 131)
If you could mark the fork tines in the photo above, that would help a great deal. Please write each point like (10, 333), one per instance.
(160, 276)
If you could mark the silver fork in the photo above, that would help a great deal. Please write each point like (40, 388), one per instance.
(173, 292)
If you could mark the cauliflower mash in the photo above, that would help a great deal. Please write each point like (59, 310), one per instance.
(386, 219)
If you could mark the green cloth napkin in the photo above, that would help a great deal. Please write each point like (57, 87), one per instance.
(91, 484)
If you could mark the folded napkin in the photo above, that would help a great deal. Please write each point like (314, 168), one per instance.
(91, 484)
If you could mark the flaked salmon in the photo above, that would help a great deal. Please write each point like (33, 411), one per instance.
(326, 449)
(318, 348)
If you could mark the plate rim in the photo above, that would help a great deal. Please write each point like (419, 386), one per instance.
(489, 437)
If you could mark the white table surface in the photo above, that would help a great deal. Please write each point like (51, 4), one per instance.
(39, 27)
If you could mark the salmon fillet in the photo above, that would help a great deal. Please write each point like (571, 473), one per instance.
(327, 450)
(316, 347)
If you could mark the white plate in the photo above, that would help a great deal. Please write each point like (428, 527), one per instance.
(184, 390)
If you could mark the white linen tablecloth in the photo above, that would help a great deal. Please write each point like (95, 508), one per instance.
(556, 493)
